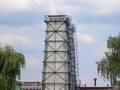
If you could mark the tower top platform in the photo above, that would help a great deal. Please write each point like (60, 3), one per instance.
(57, 18)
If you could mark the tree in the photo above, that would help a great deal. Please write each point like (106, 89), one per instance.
(11, 63)
(109, 66)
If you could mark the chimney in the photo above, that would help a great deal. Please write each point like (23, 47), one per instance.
(95, 82)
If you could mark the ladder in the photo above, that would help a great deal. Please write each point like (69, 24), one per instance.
(76, 58)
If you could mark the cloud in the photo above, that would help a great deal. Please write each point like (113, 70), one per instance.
(104, 7)
(97, 7)
(53, 7)
(27, 36)
(32, 61)
(33, 69)
(19, 5)
(25, 41)
(85, 38)
(94, 28)
(83, 11)
(12, 39)
(100, 49)
(100, 7)
(14, 5)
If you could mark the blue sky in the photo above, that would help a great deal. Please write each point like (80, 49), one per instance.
(22, 26)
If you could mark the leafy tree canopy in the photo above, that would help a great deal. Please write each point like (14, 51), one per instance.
(109, 66)
(11, 63)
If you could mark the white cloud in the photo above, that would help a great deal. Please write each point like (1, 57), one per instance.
(26, 36)
(97, 27)
(86, 38)
(103, 7)
(97, 7)
(32, 61)
(18, 5)
(19, 39)
(100, 49)
(38, 1)
(11, 39)
(53, 7)
(13, 5)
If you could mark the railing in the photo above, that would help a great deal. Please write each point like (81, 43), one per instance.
(56, 18)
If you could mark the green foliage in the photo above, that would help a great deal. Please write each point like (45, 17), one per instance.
(11, 63)
(109, 66)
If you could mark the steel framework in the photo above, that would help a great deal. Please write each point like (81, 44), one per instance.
(59, 66)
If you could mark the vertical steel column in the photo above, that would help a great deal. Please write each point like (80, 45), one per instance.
(59, 70)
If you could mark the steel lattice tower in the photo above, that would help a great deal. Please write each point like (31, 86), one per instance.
(59, 68)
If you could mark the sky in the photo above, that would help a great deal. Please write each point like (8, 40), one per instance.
(22, 26)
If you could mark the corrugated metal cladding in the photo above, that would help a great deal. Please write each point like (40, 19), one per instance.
(59, 71)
